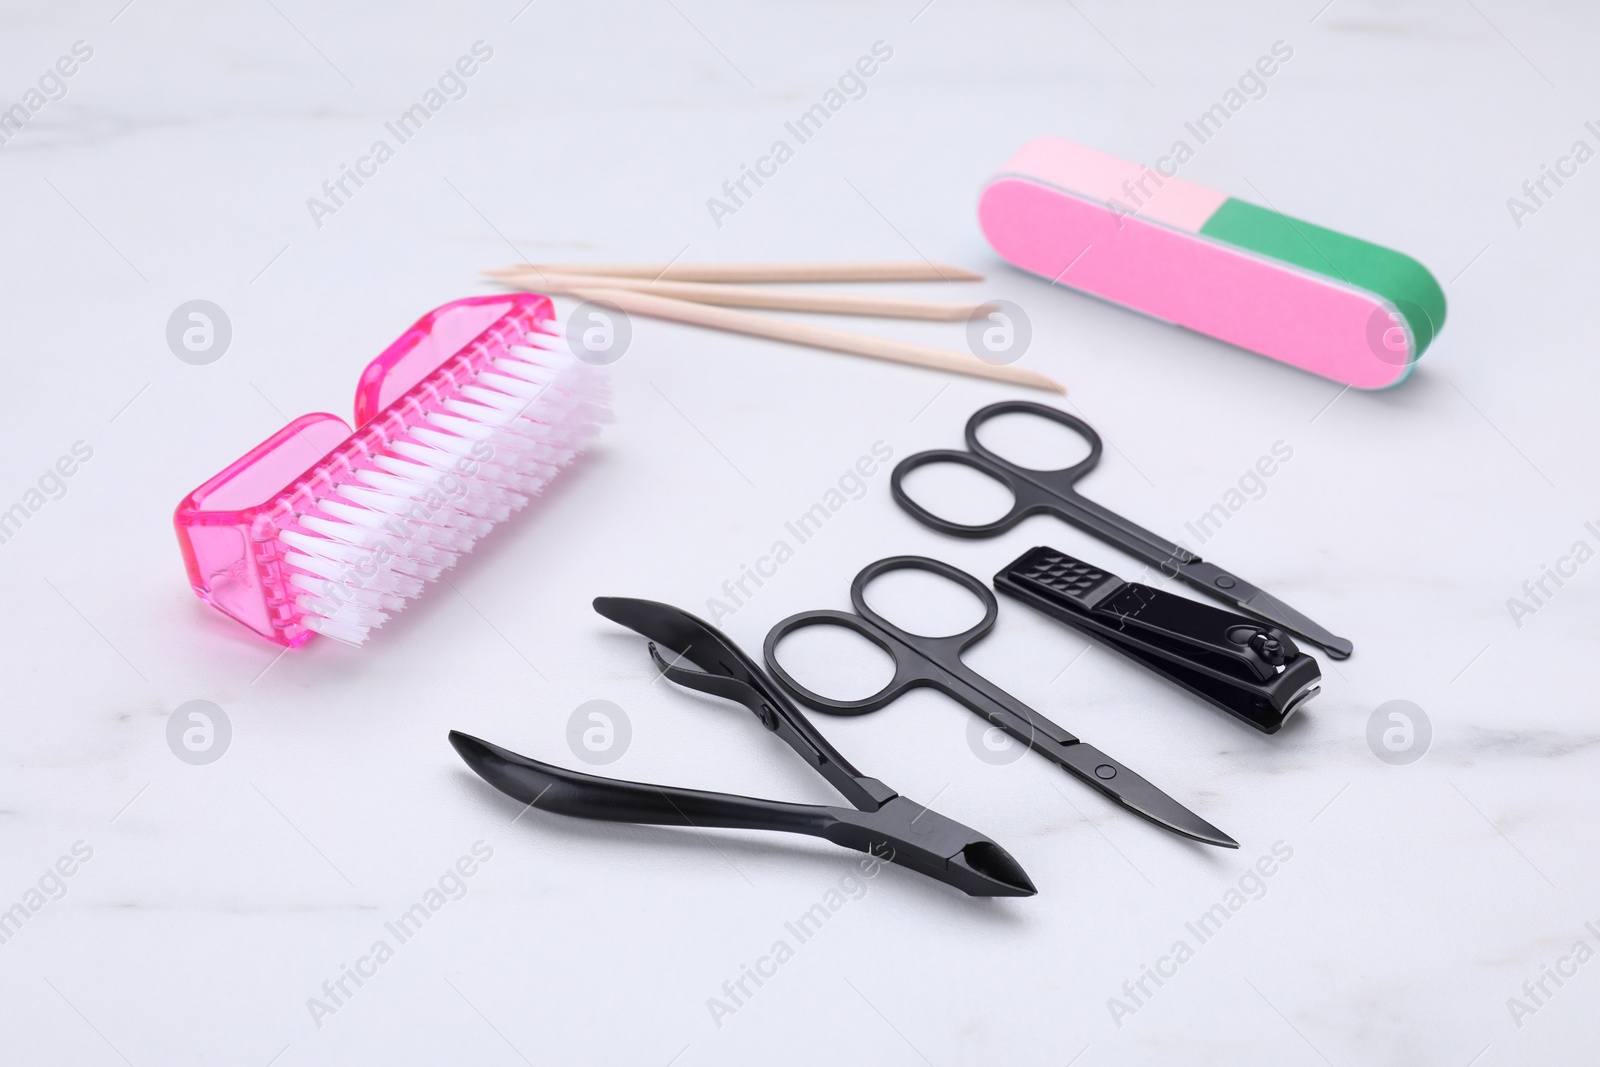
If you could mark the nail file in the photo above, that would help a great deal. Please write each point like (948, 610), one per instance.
(1325, 302)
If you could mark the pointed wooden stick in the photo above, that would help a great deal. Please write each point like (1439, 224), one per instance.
(867, 271)
(755, 296)
(800, 333)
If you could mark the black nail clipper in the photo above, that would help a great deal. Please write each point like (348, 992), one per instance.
(1245, 667)
(893, 828)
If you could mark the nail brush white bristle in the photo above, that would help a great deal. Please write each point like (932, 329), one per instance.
(434, 487)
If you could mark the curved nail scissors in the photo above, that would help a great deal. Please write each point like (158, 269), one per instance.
(1055, 492)
(936, 662)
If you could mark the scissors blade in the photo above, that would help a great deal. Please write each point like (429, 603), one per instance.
(1204, 576)
(1096, 769)
(1214, 581)
(1137, 795)
(1281, 615)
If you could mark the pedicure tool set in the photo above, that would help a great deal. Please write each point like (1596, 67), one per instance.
(324, 528)
(1248, 666)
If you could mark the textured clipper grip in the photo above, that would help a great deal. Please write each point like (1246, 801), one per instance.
(1087, 586)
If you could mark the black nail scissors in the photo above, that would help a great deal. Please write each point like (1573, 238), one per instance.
(1055, 492)
(890, 827)
(936, 662)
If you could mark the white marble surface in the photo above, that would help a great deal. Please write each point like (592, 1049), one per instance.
(219, 898)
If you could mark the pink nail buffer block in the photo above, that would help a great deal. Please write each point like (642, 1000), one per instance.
(1315, 299)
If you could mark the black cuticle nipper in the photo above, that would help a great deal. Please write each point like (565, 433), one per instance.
(880, 822)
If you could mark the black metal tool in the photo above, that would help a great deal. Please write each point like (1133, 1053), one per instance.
(891, 827)
(1055, 492)
(1249, 670)
(936, 662)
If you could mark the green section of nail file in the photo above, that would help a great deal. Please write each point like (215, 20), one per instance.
(1398, 278)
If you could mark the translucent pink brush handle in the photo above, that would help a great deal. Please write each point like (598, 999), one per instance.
(228, 528)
